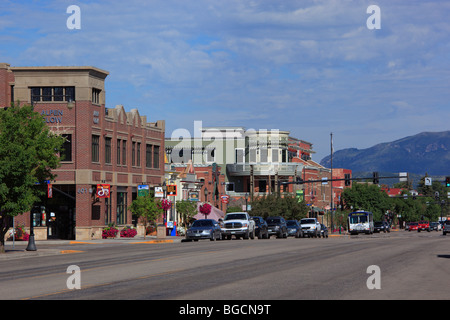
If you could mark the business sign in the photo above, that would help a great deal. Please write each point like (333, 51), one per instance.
(103, 190)
(225, 198)
(143, 190)
(171, 189)
(194, 196)
(159, 192)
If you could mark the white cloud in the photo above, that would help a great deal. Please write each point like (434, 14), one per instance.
(306, 65)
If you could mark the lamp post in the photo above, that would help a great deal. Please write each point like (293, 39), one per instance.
(246, 201)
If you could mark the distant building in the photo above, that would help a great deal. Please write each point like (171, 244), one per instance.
(254, 161)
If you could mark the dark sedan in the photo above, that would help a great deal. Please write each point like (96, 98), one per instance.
(294, 229)
(204, 229)
(261, 228)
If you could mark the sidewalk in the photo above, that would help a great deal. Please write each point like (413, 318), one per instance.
(19, 250)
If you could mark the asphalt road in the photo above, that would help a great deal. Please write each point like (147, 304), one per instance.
(411, 266)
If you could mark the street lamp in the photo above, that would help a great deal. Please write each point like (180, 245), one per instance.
(246, 201)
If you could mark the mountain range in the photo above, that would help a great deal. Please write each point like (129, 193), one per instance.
(426, 152)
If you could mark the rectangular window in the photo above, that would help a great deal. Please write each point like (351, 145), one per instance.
(155, 156)
(95, 148)
(133, 153)
(58, 94)
(35, 94)
(52, 94)
(124, 152)
(47, 94)
(121, 208)
(118, 151)
(148, 155)
(107, 150)
(108, 210)
(239, 155)
(138, 154)
(70, 93)
(96, 95)
(66, 152)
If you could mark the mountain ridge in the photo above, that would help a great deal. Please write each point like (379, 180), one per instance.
(425, 152)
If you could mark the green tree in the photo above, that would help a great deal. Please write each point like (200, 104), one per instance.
(363, 196)
(274, 205)
(147, 209)
(28, 152)
(187, 209)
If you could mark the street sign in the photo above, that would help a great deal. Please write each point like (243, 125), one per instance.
(428, 181)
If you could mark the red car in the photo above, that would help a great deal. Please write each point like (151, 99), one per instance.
(413, 226)
(423, 225)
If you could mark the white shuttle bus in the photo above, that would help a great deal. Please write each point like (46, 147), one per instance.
(360, 222)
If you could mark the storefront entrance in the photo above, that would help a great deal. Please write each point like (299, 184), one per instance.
(57, 213)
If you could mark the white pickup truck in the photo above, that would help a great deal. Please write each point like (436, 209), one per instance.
(238, 224)
(310, 227)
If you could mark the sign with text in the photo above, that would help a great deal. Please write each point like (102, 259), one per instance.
(171, 189)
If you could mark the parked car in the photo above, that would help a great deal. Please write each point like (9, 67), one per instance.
(379, 226)
(446, 227)
(423, 225)
(204, 229)
(323, 231)
(277, 226)
(261, 228)
(413, 226)
(407, 226)
(434, 226)
(294, 229)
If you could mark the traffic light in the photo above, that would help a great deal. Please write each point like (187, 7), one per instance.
(347, 179)
(375, 178)
(447, 181)
(436, 195)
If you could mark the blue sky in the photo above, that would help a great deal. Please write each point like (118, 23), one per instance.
(309, 67)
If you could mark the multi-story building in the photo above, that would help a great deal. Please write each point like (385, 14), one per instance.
(106, 149)
(256, 161)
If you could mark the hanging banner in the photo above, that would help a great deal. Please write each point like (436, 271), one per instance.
(103, 190)
(143, 190)
(49, 191)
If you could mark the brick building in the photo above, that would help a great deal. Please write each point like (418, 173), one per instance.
(104, 147)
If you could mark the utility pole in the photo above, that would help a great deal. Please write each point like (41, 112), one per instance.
(331, 181)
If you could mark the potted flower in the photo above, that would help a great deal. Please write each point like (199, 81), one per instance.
(128, 232)
(166, 204)
(205, 209)
(20, 233)
(110, 231)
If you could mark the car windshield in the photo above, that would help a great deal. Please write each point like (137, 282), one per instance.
(273, 220)
(202, 223)
(378, 223)
(413, 223)
(307, 221)
(236, 216)
(291, 223)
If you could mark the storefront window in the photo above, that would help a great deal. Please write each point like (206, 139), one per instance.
(121, 208)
